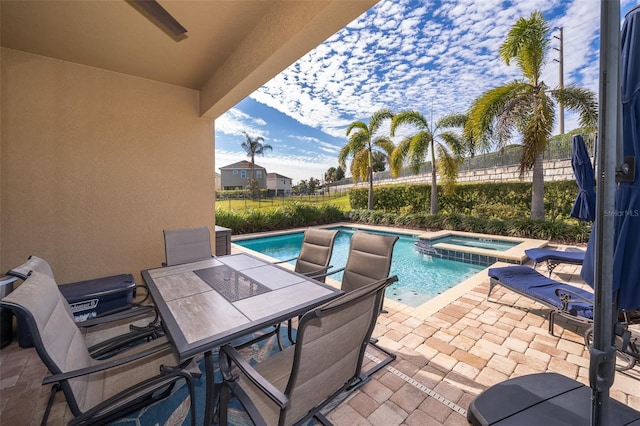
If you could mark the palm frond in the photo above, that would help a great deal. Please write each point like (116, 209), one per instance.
(357, 125)
(581, 100)
(378, 118)
(527, 42)
(410, 117)
(485, 109)
(537, 133)
(359, 165)
(398, 156)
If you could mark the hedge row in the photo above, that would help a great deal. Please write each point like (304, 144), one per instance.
(290, 216)
(567, 231)
(502, 200)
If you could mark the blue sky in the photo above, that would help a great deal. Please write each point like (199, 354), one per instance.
(432, 56)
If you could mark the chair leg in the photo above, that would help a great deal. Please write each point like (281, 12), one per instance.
(552, 321)
(224, 405)
(323, 419)
(390, 357)
(54, 389)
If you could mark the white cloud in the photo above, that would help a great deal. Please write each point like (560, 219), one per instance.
(435, 57)
(235, 122)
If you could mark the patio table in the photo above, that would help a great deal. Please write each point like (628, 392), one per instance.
(206, 304)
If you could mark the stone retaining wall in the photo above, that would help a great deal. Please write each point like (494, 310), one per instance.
(553, 170)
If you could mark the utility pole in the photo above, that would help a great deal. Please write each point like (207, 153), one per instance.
(560, 60)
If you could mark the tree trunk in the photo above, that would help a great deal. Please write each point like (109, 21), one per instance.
(434, 181)
(370, 174)
(537, 188)
(434, 192)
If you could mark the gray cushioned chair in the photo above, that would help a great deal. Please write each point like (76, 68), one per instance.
(293, 386)
(315, 252)
(312, 261)
(186, 245)
(369, 260)
(96, 391)
(111, 332)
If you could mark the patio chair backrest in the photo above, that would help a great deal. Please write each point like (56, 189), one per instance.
(369, 259)
(36, 264)
(315, 254)
(187, 245)
(33, 263)
(330, 347)
(57, 339)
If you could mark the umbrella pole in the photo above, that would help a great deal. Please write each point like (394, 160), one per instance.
(602, 352)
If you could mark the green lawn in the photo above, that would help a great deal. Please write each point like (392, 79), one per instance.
(340, 200)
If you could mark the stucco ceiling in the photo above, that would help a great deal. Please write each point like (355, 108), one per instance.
(230, 49)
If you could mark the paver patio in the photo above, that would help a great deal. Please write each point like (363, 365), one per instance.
(448, 351)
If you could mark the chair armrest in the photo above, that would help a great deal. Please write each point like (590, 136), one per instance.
(567, 296)
(319, 272)
(335, 271)
(227, 353)
(284, 261)
(106, 365)
(117, 315)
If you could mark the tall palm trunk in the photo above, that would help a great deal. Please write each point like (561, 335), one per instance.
(537, 188)
(370, 177)
(370, 174)
(434, 181)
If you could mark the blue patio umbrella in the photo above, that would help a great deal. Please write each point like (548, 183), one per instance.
(626, 245)
(626, 255)
(585, 206)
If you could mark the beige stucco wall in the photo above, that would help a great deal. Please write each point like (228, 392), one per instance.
(95, 164)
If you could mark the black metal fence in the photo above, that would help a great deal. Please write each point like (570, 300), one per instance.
(558, 149)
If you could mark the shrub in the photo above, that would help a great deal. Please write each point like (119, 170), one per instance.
(290, 216)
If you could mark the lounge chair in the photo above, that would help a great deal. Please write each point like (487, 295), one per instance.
(186, 245)
(369, 260)
(564, 299)
(292, 386)
(554, 257)
(97, 392)
(111, 330)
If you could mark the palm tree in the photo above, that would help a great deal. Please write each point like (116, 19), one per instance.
(439, 137)
(527, 106)
(254, 147)
(361, 146)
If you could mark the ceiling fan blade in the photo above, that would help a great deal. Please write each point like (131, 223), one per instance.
(152, 9)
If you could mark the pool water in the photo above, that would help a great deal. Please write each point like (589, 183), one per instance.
(483, 243)
(420, 277)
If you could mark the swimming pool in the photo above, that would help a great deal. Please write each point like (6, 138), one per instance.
(420, 277)
(476, 242)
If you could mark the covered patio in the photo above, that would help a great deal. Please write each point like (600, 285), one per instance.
(448, 352)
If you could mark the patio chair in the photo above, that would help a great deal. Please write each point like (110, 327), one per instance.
(554, 257)
(369, 260)
(186, 245)
(111, 330)
(315, 253)
(97, 392)
(312, 261)
(292, 386)
(563, 299)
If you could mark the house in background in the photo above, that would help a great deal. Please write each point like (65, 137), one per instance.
(218, 182)
(237, 175)
(279, 185)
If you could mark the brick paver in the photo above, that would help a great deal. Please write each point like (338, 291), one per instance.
(457, 352)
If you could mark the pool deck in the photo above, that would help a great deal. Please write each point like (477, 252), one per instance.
(448, 351)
